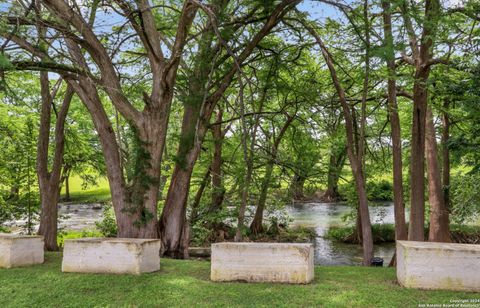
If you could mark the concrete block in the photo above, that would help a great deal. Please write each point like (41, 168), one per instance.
(262, 262)
(20, 250)
(111, 255)
(442, 266)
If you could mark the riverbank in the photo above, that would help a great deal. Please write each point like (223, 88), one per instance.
(187, 284)
(385, 233)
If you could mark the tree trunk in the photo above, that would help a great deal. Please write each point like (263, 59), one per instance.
(422, 54)
(399, 206)
(354, 158)
(446, 156)
(335, 166)
(198, 111)
(439, 230)
(67, 188)
(49, 181)
(134, 203)
(257, 223)
(218, 190)
(173, 217)
(417, 159)
(296, 187)
(198, 196)
(256, 226)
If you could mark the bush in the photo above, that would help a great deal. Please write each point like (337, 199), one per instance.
(108, 225)
(465, 192)
(381, 233)
(386, 233)
(380, 191)
(376, 191)
(63, 235)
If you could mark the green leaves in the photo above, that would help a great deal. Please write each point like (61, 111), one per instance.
(5, 62)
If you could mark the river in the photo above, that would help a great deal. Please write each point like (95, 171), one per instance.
(319, 216)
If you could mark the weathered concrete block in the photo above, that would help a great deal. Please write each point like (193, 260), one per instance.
(262, 262)
(427, 265)
(20, 250)
(111, 255)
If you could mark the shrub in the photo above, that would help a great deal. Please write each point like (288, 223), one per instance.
(108, 225)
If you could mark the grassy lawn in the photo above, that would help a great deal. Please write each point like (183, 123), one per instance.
(99, 193)
(186, 284)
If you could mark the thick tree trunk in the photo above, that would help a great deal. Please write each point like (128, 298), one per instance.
(439, 230)
(422, 55)
(417, 159)
(335, 166)
(173, 216)
(134, 203)
(297, 187)
(399, 206)
(256, 226)
(49, 217)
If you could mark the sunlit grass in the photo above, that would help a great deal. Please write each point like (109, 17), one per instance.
(186, 284)
(98, 193)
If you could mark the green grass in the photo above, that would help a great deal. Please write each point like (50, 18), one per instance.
(186, 284)
(99, 193)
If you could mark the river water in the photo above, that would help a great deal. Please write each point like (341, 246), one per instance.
(319, 216)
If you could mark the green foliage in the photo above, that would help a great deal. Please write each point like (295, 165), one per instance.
(65, 235)
(139, 181)
(381, 233)
(465, 192)
(107, 226)
(19, 198)
(381, 190)
(4, 62)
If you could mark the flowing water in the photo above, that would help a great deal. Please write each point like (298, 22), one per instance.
(319, 216)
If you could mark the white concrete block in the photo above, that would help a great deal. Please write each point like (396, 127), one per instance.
(111, 255)
(20, 250)
(445, 266)
(262, 262)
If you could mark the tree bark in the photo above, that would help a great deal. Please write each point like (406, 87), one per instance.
(198, 196)
(446, 155)
(422, 56)
(218, 190)
(335, 166)
(439, 230)
(67, 188)
(297, 187)
(49, 180)
(399, 206)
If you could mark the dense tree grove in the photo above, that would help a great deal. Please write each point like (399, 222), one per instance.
(207, 116)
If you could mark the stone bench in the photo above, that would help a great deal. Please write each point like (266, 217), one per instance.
(20, 250)
(427, 265)
(262, 262)
(111, 255)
